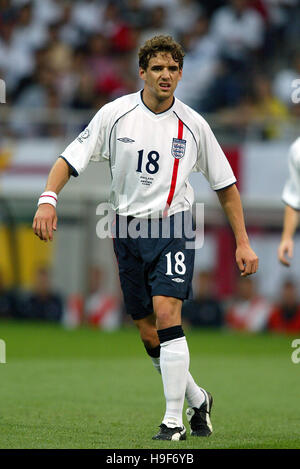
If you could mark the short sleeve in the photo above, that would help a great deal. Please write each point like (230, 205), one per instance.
(211, 160)
(291, 191)
(90, 145)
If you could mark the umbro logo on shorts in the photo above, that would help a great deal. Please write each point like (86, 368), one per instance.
(178, 280)
(126, 140)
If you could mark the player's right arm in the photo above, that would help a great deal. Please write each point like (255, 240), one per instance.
(45, 219)
(91, 144)
(286, 246)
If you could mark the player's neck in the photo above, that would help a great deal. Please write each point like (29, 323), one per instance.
(155, 105)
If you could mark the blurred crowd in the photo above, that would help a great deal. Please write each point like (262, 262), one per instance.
(42, 302)
(242, 56)
(245, 311)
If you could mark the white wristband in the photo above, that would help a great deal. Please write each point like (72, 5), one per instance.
(48, 197)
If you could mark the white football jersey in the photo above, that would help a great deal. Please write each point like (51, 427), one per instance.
(150, 155)
(291, 191)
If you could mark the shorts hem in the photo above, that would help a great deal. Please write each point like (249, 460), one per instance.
(170, 293)
(137, 316)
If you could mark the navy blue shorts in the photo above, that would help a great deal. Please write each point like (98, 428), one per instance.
(161, 264)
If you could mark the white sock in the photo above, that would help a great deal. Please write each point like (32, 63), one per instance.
(193, 393)
(156, 363)
(174, 365)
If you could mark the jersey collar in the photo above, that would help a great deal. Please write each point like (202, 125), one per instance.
(154, 114)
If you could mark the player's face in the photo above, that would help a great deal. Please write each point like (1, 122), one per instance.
(162, 76)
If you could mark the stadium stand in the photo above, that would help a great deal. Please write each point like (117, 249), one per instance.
(62, 60)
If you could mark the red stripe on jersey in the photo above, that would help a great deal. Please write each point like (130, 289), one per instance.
(173, 185)
(180, 129)
(174, 174)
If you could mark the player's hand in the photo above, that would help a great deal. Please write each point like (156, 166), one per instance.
(246, 260)
(45, 222)
(285, 247)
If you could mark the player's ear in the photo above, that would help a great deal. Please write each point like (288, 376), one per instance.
(142, 73)
(180, 74)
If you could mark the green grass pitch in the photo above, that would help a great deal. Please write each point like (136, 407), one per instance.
(89, 389)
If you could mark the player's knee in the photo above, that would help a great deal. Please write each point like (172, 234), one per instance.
(168, 313)
(166, 319)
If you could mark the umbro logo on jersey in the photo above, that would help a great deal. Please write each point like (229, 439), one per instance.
(178, 148)
(178, 280)
(126, 140)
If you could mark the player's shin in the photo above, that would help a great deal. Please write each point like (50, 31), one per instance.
(174, 365)
(193, 393)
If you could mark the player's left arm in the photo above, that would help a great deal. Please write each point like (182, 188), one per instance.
(230, 201)
(286, 246)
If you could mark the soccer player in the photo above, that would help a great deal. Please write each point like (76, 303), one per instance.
(291, 197)
(153, 142)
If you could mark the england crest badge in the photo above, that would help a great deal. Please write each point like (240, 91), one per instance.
(178, 148)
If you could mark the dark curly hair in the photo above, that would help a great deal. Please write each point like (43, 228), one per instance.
(160, 44)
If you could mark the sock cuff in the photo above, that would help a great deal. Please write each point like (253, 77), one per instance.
(153, 352)
(171, 333)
